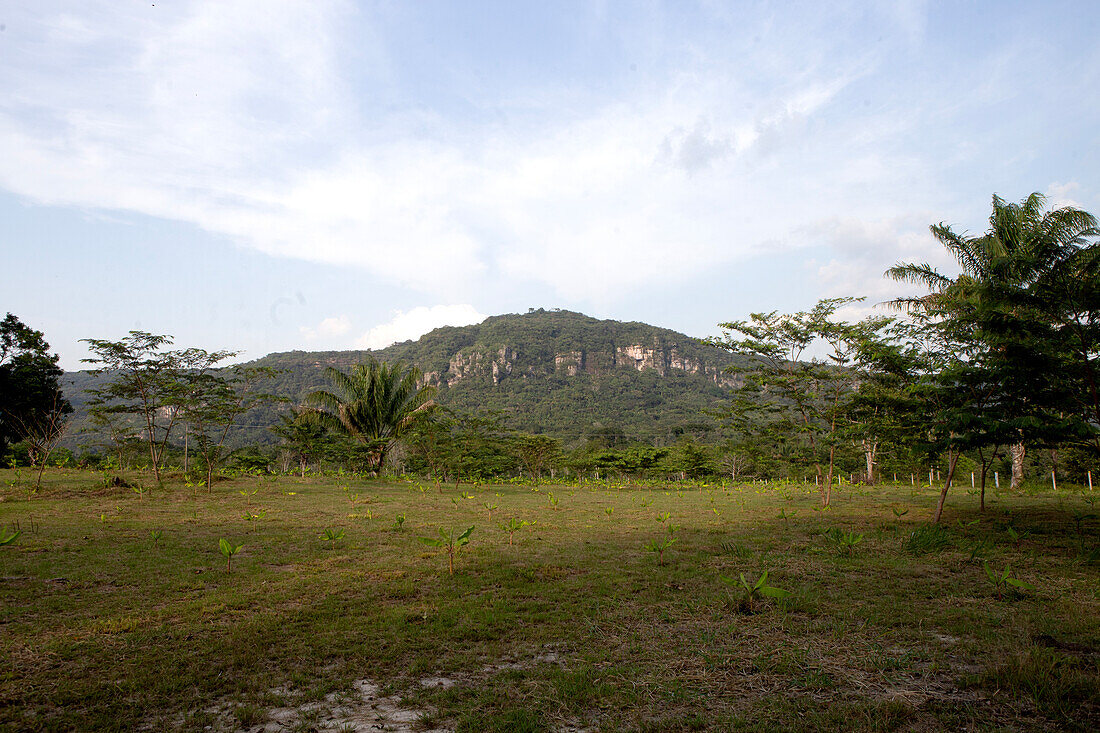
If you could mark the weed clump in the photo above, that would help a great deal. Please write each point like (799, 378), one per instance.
(928, 538)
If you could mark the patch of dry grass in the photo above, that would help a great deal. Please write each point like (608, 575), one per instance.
(573, 627)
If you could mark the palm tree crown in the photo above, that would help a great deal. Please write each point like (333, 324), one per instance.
(1024, 245)
(375, 405)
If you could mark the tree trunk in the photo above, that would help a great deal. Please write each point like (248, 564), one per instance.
(985, 471)
(870, 448)
(952, 461)
(1018, 453)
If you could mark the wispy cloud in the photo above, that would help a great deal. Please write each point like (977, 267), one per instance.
(243, 119)
(236, 117)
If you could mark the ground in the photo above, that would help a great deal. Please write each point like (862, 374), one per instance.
(119, 611)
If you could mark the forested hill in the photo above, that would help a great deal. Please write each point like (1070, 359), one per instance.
(554, 372)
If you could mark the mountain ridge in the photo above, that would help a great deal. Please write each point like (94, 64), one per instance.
(556, 372)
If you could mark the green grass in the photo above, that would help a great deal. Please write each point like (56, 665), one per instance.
(574, 625)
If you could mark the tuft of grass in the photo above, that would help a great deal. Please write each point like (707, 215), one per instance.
(929, 538)
(1059, 684)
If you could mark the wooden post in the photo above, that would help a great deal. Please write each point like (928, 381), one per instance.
(1053, 481)
(931, 473)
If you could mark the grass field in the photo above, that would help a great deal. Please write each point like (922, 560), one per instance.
(575, 625)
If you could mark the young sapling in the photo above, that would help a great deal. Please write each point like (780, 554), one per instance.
(1004, 580)
(449, 542)
(751, 591)
(659, 546)
(229, 550)
(156, 535)
(514, 525)
(331, 536)
(845, 540)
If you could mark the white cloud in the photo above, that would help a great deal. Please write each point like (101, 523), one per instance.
(417, 322)
(866, 249)
(328, 329)
(234, 116)
(239, 118)
(1059, 195)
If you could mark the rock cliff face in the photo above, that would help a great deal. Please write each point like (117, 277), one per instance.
(501, 363)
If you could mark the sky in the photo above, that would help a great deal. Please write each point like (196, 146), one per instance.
(265, 176)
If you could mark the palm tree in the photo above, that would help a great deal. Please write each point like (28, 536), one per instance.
(375, 405)
(1019, 280)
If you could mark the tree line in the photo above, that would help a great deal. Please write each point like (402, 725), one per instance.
(978, 371)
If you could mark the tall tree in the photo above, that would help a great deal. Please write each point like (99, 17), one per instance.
(1028, 300)
(302, 439)
(538, 453)
(30, 391)
(789, 396)
(211, 401)
(375, 406)
(144, 385)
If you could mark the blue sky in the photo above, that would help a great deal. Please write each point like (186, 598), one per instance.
(266, 176)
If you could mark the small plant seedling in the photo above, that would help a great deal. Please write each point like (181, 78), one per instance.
(553, 500)
(962, 526)
(663, 516)
(846, 540)
(156, 535)
(647, 502)
(449, 542)
(139, 490)
(1004, 580)
(399, 522)
(247, 494)
(659, 546)
(751, 591)
(250, 517)
(514, 525)
(899, 513)
(466, 495)
(1016, 536)
(489, 507)
(609, 511)
(229, 550)
(330, 535)
(7, 539)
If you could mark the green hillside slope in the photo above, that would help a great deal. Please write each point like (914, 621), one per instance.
(554, 372)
